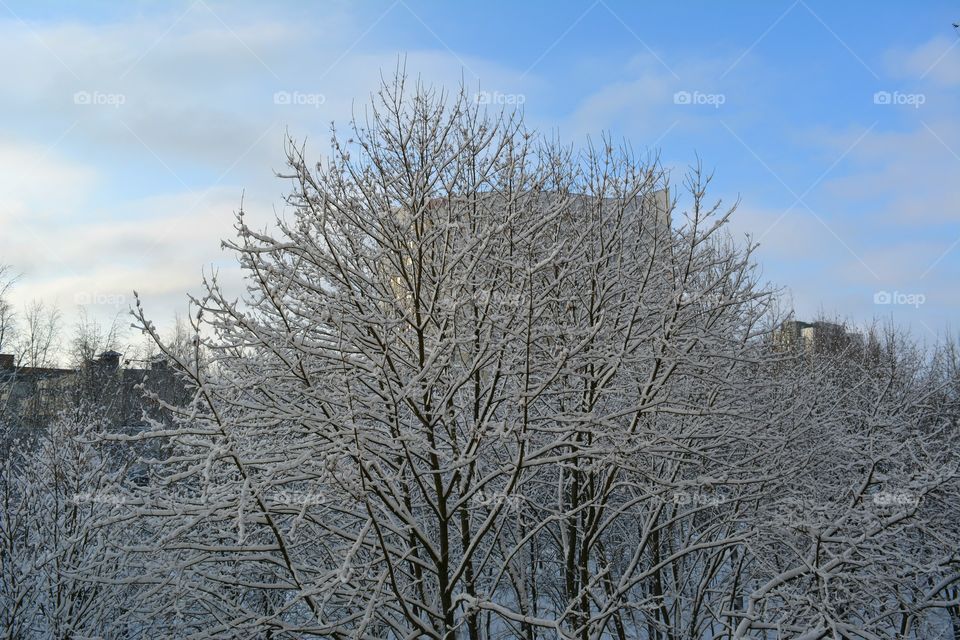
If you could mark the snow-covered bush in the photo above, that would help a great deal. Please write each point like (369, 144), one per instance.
(61, 559)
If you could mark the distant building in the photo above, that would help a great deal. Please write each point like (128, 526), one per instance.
(815, 336)
(30, 397)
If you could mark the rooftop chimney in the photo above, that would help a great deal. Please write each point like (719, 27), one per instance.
(6, 361)
(110, 359)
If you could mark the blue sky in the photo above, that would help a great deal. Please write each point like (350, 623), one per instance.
(130, 131)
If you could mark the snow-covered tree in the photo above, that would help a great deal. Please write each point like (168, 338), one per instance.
(857, 535)
(7, 314)
(483, 385)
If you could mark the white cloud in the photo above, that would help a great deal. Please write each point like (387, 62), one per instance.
(654, 99)
(39, 182)
(176, 120)
(936, 61)
(198, 118)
